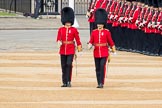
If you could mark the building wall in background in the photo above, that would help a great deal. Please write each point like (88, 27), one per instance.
(27, 6)
(23, 6)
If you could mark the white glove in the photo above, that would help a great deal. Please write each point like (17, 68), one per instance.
(120, 19)
(137, 22)
(130, 19)
(149, 25)
(153, 25)
(89, 46)
(87, 14)
(158, 23)
(159, 28)
(141, 25)
(111, 17)
(59, 43)
(91, 10)
(126, 19)
(116, 16)
(144, 22)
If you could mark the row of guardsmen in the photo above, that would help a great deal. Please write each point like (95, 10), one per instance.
(135, 25)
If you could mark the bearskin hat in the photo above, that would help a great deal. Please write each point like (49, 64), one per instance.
(129, 0)
(137, 0)
(155, 3)
(142, 1)
(160, 3)
(67, 15)
(150, 2)
(101, 16)
(133, 0)
(146, 2)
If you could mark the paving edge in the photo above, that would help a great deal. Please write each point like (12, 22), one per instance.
(37, 28)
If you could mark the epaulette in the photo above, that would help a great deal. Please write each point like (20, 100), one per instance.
(107, 29)
(95, 29)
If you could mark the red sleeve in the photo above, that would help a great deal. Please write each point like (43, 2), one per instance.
(77, 38)
(120, 11)
(109, 39)
(127, 12)
(112, 7)
(91, 41)
(58, 35)
(146, 14)
(148, 18)
(135, 16)
(104, 4)
(154, 17)
(98, 4)
(159, 17)
(116, 9)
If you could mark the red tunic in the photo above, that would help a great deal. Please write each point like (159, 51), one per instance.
(123, 15)
(154, 19)
(115, 23)
(141, 16)
(126, 15)
(159, 17)
(130, 15)
(134, 18)
(68, 34)
(104, 4)
(148, 19)
(101, 37)
(145, 17)
(159, 20)
(112, 8)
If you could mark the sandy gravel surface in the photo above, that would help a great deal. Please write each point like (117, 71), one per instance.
(33, 79)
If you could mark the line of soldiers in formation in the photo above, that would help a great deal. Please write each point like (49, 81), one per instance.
(135, 25)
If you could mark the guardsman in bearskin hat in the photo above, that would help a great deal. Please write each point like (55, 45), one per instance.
(101, 39)
(65, 39)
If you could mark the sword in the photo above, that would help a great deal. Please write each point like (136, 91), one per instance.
(75, 57)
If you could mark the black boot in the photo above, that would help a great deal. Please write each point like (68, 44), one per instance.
(64, 85)
(100, 85)
(68, 84)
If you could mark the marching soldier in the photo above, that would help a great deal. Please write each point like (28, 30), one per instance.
(65, 40)
(101, 39)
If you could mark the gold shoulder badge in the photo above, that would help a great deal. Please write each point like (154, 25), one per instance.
(107, 29)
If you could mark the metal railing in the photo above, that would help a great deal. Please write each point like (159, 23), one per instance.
(80, 6)
(48, 6)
